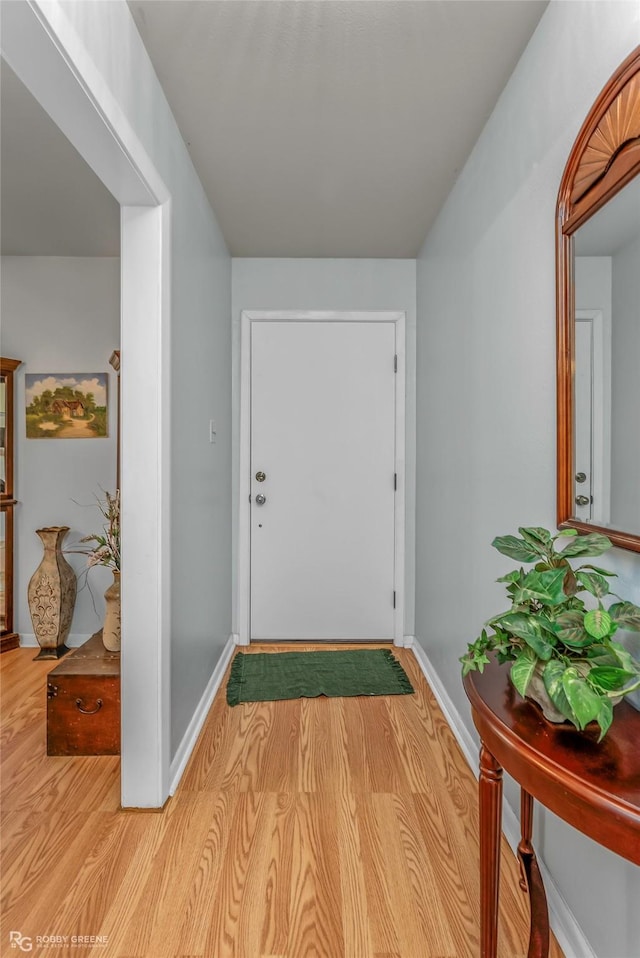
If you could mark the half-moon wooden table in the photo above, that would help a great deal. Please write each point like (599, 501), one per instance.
(593, 786)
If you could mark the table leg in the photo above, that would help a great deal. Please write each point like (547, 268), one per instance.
(490, 797)
(531, 881)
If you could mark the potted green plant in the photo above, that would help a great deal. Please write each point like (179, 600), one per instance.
(561, 649)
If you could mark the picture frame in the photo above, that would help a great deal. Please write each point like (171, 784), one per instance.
(67, 405)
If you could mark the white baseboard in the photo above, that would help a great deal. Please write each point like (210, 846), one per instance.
(74, 641)
(563, 924)
(187, 745)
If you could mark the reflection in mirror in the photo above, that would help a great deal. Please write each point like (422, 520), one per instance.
(607, 355)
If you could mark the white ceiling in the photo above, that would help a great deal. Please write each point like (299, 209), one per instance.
(53, 204)
(318, 127)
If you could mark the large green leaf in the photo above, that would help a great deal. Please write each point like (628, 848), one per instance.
(571, 585)
(584, 702)
(552, 678)
(593, 544)
(553, 582)
(522, 670)
(598, 654)
(600, 571)
(545, 587)
(597, 622)
(569, 628)
(605, 716)
(593, 582)
(539, 539)
(536, 535)
(516, 548)
(608, 678)
(624, 657)
(531, 629)
(626, 615)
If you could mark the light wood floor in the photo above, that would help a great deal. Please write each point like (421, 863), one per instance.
(322, 828)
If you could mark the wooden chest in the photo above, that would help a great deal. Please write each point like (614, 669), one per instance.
(83, 702)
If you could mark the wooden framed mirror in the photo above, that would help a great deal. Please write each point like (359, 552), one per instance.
(598, 317)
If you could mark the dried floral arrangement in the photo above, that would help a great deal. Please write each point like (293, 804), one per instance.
(106, 550)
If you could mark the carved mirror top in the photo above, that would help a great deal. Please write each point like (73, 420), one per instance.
(619, 127)
(606, 154)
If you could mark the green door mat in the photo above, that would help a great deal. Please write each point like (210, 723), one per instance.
(269, 676)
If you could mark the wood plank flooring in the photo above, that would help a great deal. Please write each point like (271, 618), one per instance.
(313, 828)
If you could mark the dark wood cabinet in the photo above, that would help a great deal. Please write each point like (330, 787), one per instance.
(9, 639)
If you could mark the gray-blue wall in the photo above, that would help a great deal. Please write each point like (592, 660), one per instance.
(486, 457)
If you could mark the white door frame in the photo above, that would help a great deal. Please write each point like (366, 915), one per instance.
(248, 317)
(42, 46)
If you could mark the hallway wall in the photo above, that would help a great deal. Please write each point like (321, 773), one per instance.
(486, 341)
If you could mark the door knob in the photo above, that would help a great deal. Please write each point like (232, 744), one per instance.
(260, 499)
(582, 500)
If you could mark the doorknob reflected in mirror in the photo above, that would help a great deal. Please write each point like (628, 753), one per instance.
(260, 499)
(582, 500)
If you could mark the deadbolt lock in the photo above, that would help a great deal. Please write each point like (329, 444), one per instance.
(260, 477)
(581, 477)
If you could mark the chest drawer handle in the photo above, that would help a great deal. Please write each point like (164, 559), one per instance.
(88, 711)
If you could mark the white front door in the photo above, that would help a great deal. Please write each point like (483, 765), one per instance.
(322, 520)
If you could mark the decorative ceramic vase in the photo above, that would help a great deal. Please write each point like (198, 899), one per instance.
(111, 627)
(52, 595)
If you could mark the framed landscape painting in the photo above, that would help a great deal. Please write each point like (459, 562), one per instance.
(66, 405)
